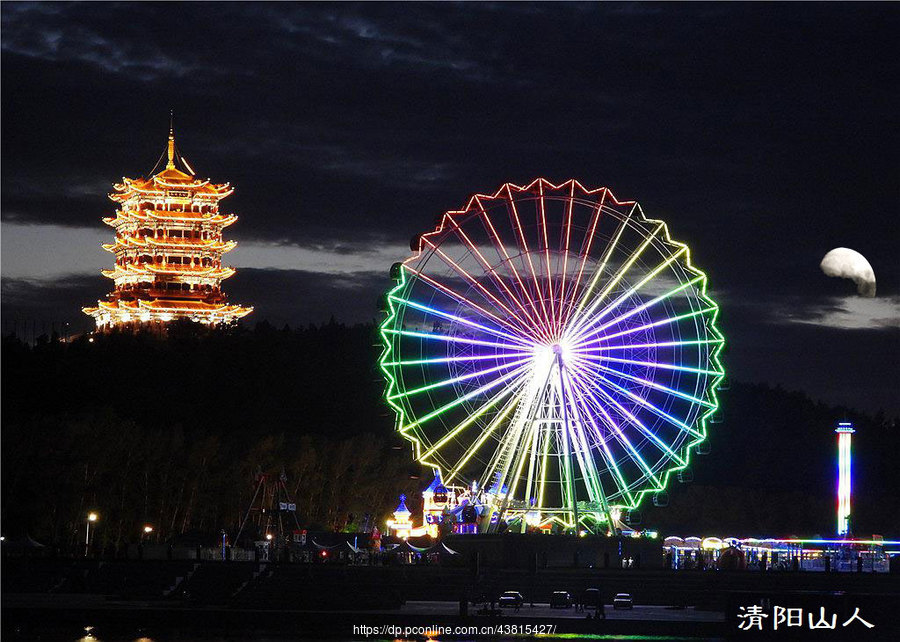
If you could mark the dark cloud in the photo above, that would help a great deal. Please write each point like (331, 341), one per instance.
(40, 306)
(764, 134)
(299, 297)
(857, 367)
(295, 297)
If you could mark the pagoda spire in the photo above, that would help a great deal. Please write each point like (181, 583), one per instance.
(171, 150)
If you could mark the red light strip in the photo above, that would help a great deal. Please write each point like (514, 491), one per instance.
(527, 252)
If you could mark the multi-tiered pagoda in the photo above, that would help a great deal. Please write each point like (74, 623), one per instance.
(168, 250)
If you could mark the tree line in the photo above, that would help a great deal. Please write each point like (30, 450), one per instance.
(171, 432)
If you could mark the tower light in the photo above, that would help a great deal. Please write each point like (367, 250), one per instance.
(845, 462)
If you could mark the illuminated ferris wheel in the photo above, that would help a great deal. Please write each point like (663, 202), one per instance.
(555, 345)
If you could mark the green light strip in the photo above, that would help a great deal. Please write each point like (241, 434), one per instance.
(484, 435)
(435, 413)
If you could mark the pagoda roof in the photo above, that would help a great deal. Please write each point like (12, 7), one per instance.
(170, 243)
(167, 305)
(167, 215)
(169, 179)
(184, 270)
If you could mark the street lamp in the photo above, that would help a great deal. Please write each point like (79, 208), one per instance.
(147, 530)
(92, 517)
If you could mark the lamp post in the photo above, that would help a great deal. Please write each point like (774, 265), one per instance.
(91, 518)
(268, 546)
(147, 530)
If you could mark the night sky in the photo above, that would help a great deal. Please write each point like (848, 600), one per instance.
(765, 135)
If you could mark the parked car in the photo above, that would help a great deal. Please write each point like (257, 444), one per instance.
(511, 599)
(592, 599)
(623, 601)
(561, 600)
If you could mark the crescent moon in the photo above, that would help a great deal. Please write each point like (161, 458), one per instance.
(845, 263)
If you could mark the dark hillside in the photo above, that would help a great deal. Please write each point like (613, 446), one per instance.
(172, 431)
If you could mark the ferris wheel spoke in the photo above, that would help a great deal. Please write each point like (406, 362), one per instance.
(474, 357)
(586, 245)
(624, 412)
(658, 386)
(660, 344)
(567, 234)
(659, 412)
(486, 433)
(501, 249)
(599, 272)
(452, 380)
(586, 331)
(461, 299)
(615, 429)
(469, 395)
(586, 461)
(610, 248)
(510, 296)
(647, 326)
(523, 245)
(471, 419)
(509, 453)
(451, 339)
(653, 364)
(523, 325)
(552, 318)
(585, 317)
(610, 460)
(522, 455)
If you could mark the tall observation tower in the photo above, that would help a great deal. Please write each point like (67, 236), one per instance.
(168, 248)
(845, 434)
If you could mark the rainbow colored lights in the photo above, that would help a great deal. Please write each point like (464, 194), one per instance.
(845, 431)
(556, 346)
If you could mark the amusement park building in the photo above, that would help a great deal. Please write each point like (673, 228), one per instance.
(168, 250)
(847, 554)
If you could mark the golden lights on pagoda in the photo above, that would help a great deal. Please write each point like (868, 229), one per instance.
(168, 248)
